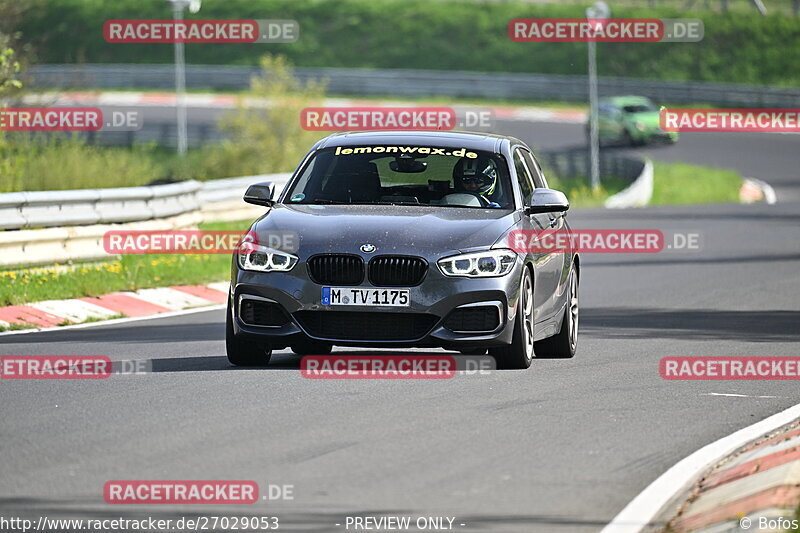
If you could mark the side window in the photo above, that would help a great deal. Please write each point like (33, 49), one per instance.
(536, 170)
(523, 176)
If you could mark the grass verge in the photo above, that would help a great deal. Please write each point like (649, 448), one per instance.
(581, 194)
(673, 184)
(16, 327)
(49, 163)
(682, 183)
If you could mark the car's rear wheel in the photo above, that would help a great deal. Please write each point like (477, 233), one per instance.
(519, 353)
(243, 352)
(309, 347)
(564, 344)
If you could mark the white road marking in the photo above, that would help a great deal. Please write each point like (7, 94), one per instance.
(734, 395)
(644, 507)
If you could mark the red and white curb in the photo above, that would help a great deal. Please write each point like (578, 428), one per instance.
(229, 101)
(142, 303)
(754, 190)
(126, 98)
(758, 485)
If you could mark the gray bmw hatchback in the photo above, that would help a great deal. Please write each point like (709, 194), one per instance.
(403, 239)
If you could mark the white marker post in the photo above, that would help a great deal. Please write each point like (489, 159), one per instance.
(180, 72)
(599, 10)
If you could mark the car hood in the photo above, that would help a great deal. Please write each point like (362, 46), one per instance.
(407, 230)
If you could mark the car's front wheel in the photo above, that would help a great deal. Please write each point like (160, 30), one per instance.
(564, 344)
(519, 353)
(627, 139)
(243, 352)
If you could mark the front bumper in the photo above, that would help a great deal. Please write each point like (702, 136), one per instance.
(432, 301)
(659, 135)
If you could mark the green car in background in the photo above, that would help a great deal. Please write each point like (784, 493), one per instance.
(630, 120)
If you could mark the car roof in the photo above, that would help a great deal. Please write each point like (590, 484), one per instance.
(446, 139)
(626, 100)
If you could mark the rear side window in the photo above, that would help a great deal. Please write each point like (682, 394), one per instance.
(523, 175)
(536, 170)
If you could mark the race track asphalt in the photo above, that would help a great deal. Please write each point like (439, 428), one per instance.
(561, 447)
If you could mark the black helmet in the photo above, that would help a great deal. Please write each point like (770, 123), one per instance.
(482, 170)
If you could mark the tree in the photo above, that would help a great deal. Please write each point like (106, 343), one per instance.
(265, 134)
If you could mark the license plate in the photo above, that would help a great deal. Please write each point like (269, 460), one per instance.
(365, 297)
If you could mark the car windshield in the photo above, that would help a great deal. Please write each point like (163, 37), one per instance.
(404, 175)
(639, 108)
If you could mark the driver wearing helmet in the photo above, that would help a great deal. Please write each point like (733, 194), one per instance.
(477, 176)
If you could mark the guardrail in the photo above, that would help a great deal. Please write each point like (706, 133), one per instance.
(637, 173)
(68, 226)
(41, 209)
(96, 206)
(407, 82)
(574, 163)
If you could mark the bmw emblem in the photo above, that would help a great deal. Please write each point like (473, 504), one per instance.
(368, 248)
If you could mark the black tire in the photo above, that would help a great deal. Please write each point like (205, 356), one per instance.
(627, 139)
(519, 354)
(309, 347)
(564, 344)
(243, 352)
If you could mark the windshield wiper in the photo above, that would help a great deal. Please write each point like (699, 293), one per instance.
(324, 201)
(387, 203)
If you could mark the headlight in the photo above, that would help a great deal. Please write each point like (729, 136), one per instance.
(641, 126)
(488, 264)
(253, 256)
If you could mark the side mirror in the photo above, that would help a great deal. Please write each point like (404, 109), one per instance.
(260, 194)
(547, 201)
